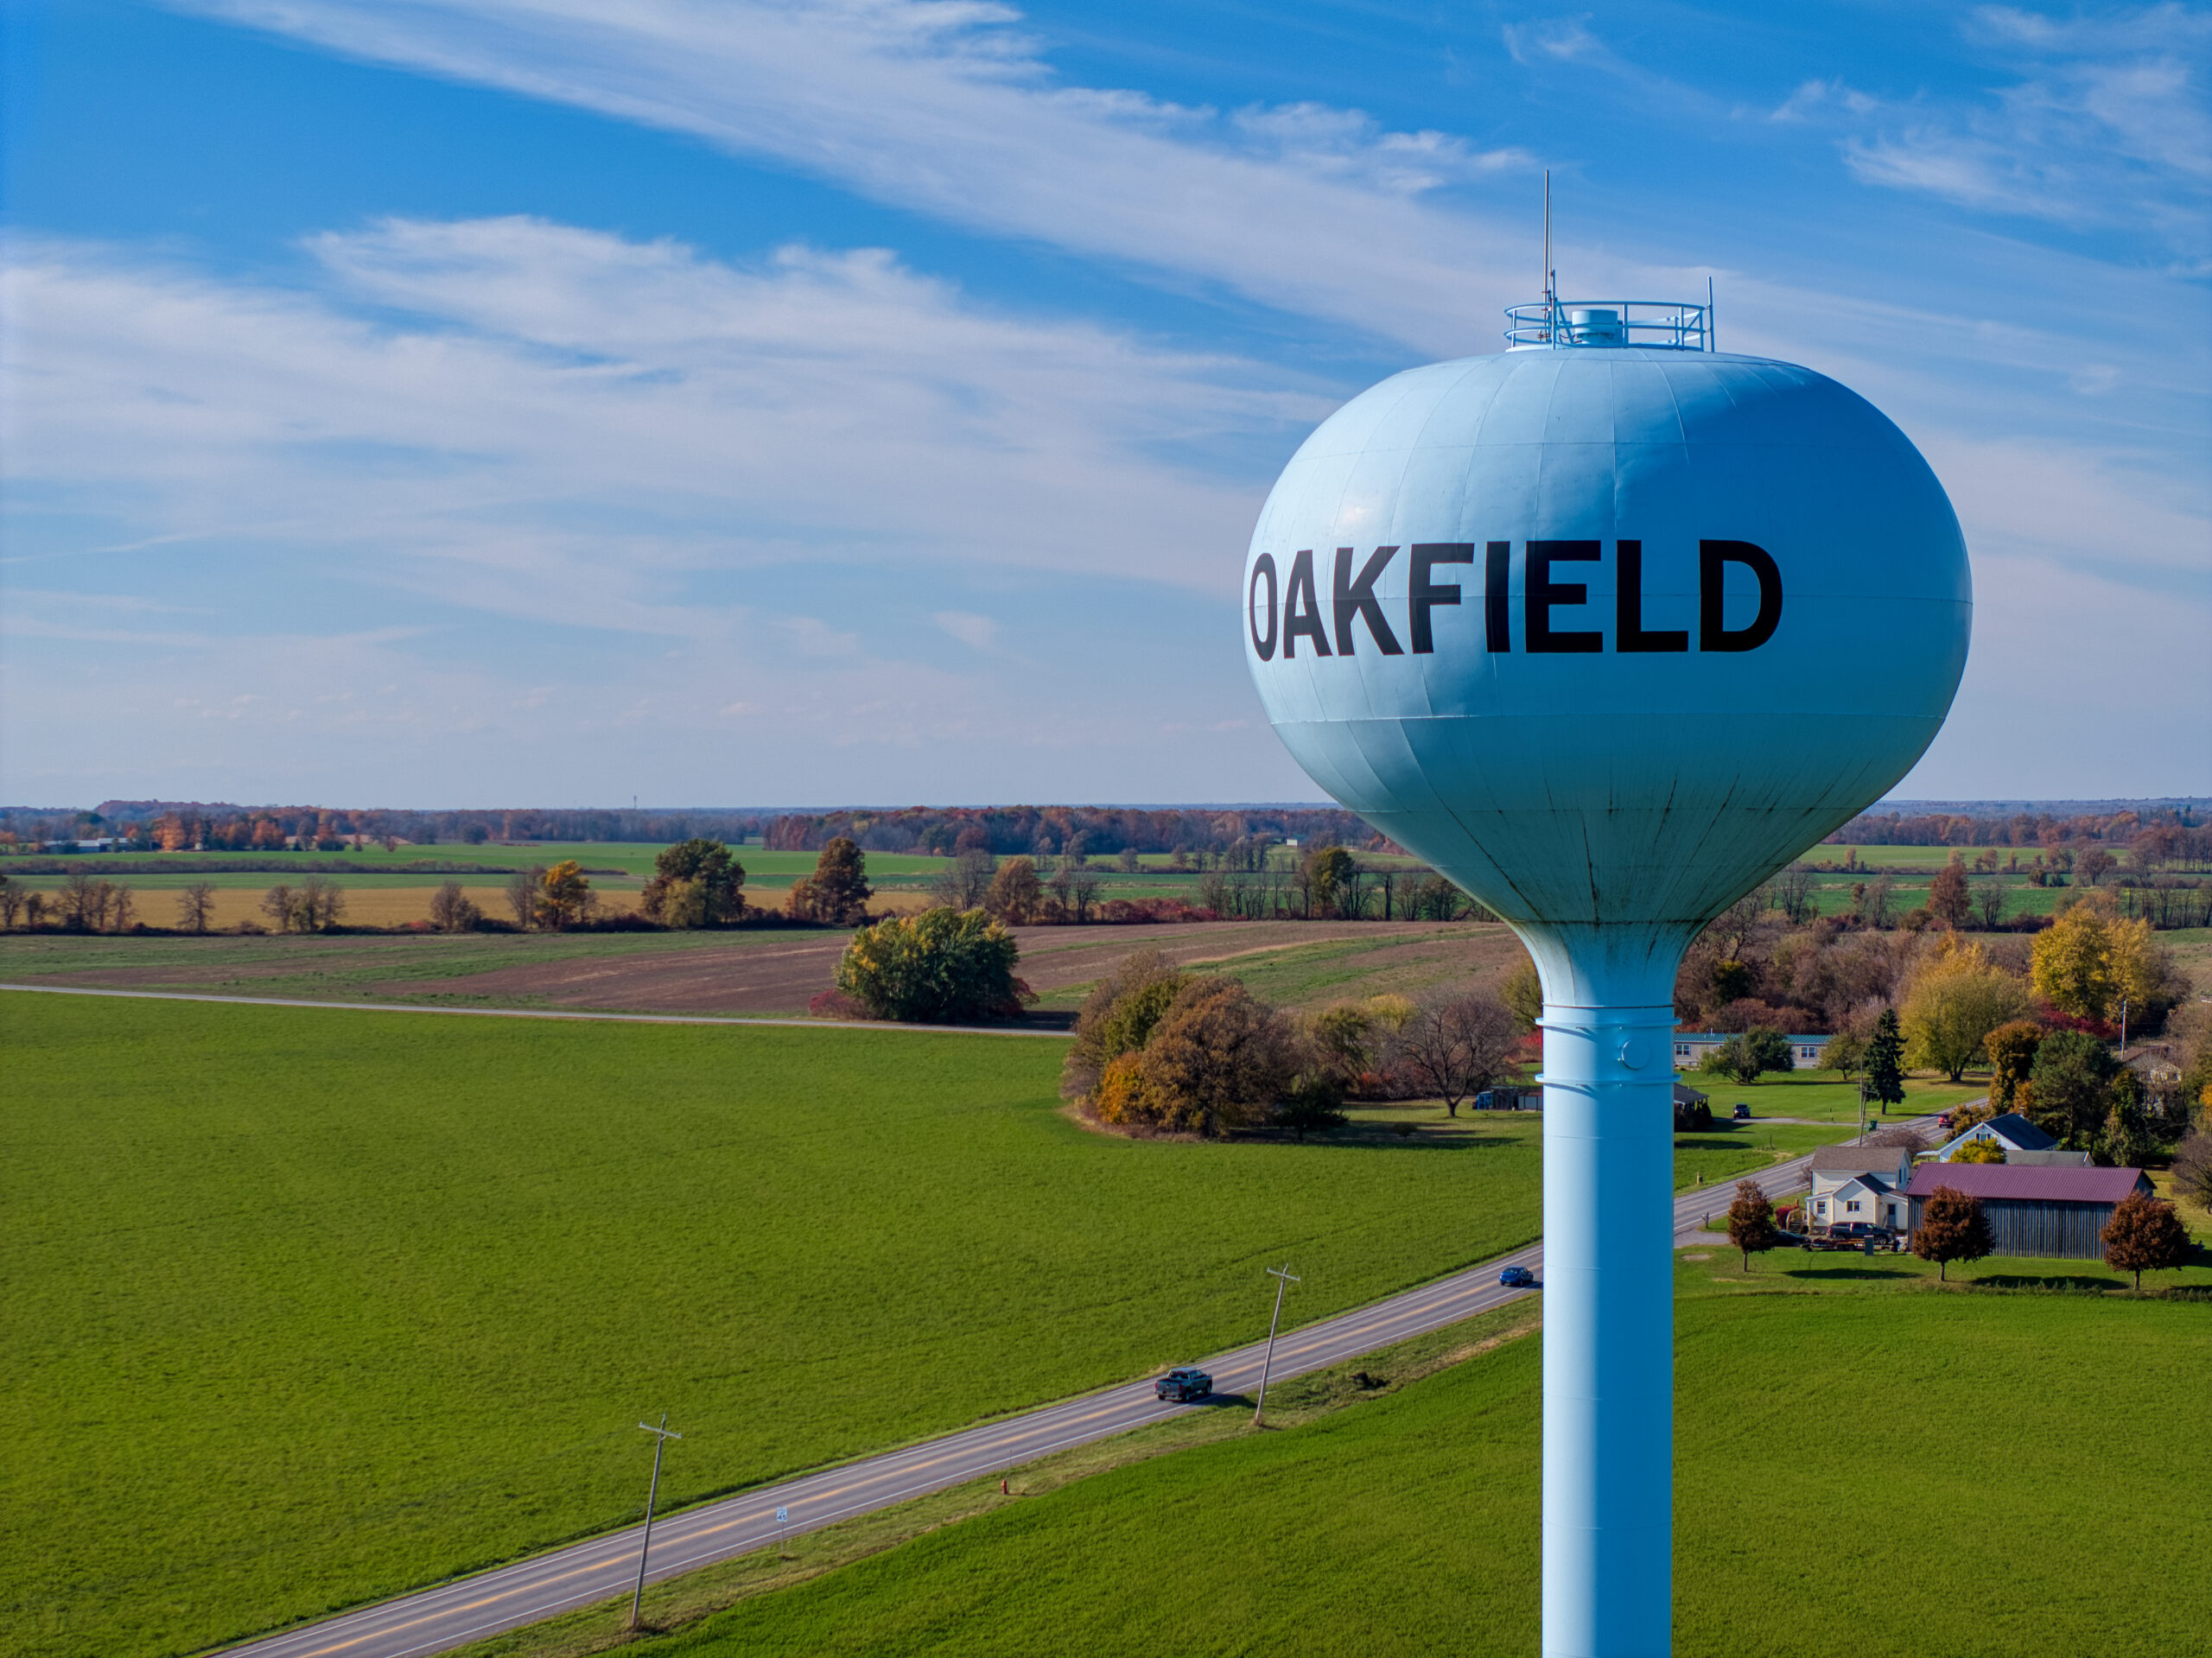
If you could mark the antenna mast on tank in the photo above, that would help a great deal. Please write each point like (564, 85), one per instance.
(1551, 276)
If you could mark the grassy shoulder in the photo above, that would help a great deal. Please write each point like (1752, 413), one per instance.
(306, 1307)
(681, 1604)
(1407, 1522)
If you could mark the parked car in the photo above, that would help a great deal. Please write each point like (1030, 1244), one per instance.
(1517, 1278)
(1183, 1386)
(1741, 1112)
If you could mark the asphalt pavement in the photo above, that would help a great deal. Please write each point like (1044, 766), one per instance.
(470, 1609)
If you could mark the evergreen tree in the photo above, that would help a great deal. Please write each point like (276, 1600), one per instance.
(1885, 1062)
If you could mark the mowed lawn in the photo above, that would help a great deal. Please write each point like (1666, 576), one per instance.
(306, 1306)
(1839, 1467)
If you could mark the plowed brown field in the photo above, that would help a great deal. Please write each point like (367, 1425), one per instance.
(783, 976)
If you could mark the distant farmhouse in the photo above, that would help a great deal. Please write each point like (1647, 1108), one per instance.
(2024, 1145)
(2055, 1212)
(2156, 1064)
(1861, 1182)
(1692, 1047)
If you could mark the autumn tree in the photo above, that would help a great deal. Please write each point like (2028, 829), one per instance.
(2011, 1050)
(1978, 1151)
(1793, 891)
(564, 896)
(942, 967)
(1885, 1062)
(1989, 902)
(1218, 1059)
(451, 910)
(278, 905)
(195, 906)
(1016, 896)
(1952, 1228)
(322, 901)
(2144, 1235)
(2193, 1168)
(1523, 994)
(967, 879)
(1329, 873)
(1345, 1039)
(523, 889)
(1457, 1047)
(1075, 889)
(1955, 1002)
(2087, 963)
(837, 891)
(696, 883)
(1948, 898)
(1751, 1222)
(1118, 1016)
(12, 897)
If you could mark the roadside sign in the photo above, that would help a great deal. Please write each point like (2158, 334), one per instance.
(783, 1517)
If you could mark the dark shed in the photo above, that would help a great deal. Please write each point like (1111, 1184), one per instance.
(2052, 1212)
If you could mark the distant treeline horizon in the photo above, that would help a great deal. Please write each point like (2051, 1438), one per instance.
(1005, 831)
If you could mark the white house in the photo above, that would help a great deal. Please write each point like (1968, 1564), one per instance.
(1692, 1047)
(1861, 1183)
(2022, 1142)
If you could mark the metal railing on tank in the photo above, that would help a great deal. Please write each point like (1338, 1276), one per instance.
(1561, 324)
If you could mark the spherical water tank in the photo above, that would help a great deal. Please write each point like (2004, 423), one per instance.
(1607, 634)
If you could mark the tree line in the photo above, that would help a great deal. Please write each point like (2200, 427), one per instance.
(2167, 833)
(1045, 832)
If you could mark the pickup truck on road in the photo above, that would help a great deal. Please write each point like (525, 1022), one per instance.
(1183, 1386)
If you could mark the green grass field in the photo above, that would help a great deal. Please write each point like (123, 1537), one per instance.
(1829, 1476)
(1825, 1097)
(304, 1308)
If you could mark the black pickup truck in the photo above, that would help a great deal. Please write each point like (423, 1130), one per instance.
(1183, 1386)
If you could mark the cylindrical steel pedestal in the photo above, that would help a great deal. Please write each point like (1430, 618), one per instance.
(1609, 1329)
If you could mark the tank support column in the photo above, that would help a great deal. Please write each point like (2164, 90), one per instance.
(1609, 1329)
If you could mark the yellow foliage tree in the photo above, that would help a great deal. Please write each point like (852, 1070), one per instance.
(565, 898)
(2072, 966)
(1955, 1001)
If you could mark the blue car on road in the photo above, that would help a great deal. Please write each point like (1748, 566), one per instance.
(1517, 1278)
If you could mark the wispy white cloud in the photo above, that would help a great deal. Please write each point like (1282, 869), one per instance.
(979, 633)
(1563, 39)
(947, 109)
(562, 424)
(2108, 123)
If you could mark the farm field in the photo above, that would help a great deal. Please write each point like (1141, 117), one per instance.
(1407, 1522)
(307, 1306)
(1825, 1097)
(764, 972)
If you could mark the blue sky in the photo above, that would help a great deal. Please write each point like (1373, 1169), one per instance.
(557, 400)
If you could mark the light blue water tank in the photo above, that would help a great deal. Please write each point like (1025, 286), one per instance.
(1607, 634)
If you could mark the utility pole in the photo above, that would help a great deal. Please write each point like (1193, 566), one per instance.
(1284, 1279)
(661, 1437)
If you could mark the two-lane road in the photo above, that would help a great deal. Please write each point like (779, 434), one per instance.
(470, 1609)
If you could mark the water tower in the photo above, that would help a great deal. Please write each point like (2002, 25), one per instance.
(1607, 628)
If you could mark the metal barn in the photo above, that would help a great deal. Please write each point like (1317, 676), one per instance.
(2035, 1211)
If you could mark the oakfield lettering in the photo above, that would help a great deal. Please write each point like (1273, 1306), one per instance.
(1282, 612)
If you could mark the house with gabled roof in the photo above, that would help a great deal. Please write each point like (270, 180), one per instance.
(2012, 1132)
(1861, 1183)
